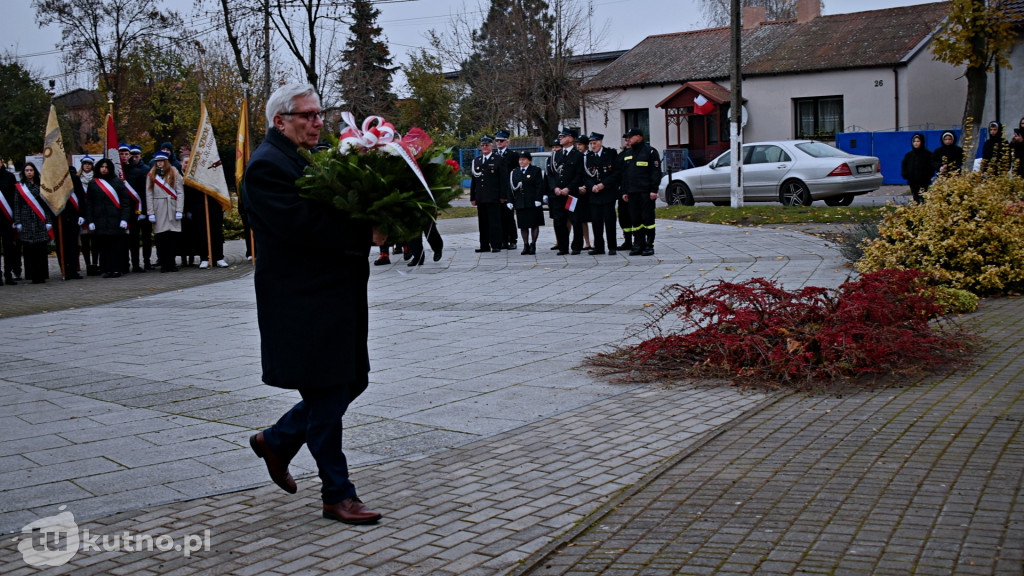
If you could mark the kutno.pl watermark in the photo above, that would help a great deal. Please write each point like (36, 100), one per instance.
(54, 540)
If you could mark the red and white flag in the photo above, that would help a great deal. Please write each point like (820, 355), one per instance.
(570, 203)
(702, 105)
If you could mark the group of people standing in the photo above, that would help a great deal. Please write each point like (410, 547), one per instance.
(921, 166)
(583, 182)
(109, 222)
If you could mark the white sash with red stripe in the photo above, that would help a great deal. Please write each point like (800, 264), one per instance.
(108, 190)
(163, 186)
(6, 208)
(31, 201)
(74, 200)
(135, 195)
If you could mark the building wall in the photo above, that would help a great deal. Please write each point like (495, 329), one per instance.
(612, 123)
(1011, 92)
(936, 93)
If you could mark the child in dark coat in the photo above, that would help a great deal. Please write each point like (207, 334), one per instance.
(917, 167)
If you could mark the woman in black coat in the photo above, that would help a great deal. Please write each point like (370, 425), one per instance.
(33, 221)
(528, 189)
(917, 167)
(109, 207)
(949, 157)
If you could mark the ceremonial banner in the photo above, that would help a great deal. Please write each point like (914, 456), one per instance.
(55, 181)
(111, 147)
(242, 146)
(205, 171)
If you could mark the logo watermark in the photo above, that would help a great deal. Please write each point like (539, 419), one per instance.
(54, 541)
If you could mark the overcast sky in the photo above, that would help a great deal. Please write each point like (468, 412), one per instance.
(405, 23)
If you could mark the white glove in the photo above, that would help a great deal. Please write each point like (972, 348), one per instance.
(142, 217)
(123, 225)
(17, 227)
(152, 218)
(545, 198)
(92, 226)
(81, 220)
(177, 215)
(537, 203)
(509, 205)
(49, 227)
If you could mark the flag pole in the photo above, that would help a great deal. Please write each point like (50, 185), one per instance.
(60, 249)
(209, 243)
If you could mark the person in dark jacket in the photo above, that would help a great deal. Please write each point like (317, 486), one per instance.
(603, 191)
(1017, 148)
(488, 191)
(949, 157)
(71, 221)
(528, 188)
(511, 159)
(311, 303)
(136, 172)
(8, 237)
(996, 151)
(109, 208)
(917, 167)
(566, 186)
(33, 222)
(639, 181)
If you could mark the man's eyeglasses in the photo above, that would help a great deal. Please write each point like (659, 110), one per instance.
(310, 115)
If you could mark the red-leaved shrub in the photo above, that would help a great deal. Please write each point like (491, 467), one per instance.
(757, 333)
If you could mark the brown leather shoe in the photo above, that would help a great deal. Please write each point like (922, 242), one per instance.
(276, 466)
(351, 511)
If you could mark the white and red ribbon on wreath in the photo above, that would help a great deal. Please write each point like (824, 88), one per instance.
(33, 204)
(379, 133)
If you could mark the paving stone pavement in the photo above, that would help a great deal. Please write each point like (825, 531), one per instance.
(479, 437)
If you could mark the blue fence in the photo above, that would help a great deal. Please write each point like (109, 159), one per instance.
(891, 147)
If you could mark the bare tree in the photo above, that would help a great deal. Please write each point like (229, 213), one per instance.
(101, 33)
(716, 12)
(309, 31)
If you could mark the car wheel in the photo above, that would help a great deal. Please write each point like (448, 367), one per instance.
(678, 193)
(834, 201)
(722, 203)
(847, 199)
(795, 193)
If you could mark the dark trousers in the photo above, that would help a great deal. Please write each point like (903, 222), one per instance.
(603, 218)
(916, 190)
(433, 239)
(12, 251)
(245, 233)
(69, 244)
(641, 214)
(146, 236)
(112, 252)
(489, 218)
(316, 421)
(560, 221)
(624, 222)
(132, 242)
(37, 265)
(510, 234)
(576, 220)
(90, 250)
(165, 247)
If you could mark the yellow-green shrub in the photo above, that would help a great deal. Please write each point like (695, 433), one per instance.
(968, 234)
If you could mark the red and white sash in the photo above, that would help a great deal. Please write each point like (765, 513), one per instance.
(163, 186)
(73, 198)
(34, 205)
(108, 190)
(135, 195)
(6, 208)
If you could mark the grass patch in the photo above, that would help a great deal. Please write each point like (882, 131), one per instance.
(767, 215)
(457, 212)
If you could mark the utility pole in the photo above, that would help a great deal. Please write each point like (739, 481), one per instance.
(266, 50)
(736, 110)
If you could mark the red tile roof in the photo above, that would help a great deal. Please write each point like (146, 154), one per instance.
(841, 41)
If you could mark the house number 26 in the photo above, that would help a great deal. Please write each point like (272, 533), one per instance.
(878, 83)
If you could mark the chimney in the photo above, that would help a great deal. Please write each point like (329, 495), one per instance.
(807, 10)
(753, 16)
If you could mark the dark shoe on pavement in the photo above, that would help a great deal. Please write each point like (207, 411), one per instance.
(575, 252)
(138, 269)
(648, 251)
(276, 466)
(479, 250)
(562, 252)
(555, 247)
(626, 246)
(595, 251)
(495, 249)
(611, 252)
(384, 260)
(149, 266)
(351, 511)
(636, 251)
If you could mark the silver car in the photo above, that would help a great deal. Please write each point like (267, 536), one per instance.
(793, 172)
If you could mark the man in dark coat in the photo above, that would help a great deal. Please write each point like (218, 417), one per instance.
(567, 183)
(488, 191)
(310, 278)
(603, 192)
(511, 159)
(639, 180)
(136, 173)
(8, 239)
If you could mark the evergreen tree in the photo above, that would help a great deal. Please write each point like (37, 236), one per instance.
(366, 76)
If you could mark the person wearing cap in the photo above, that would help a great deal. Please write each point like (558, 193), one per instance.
(550, 175)
(90, 248)
(639, 180)
(527, 185)
(622, 207)
(583, 205)
(949, 157)
(603, 191)
(488, 191)
(135, 181)
(136, 174)
(168, 148)
(71, 220)
(567, 185)
(165, 204)
(995, 153)
(108, 208)
(511, 159)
